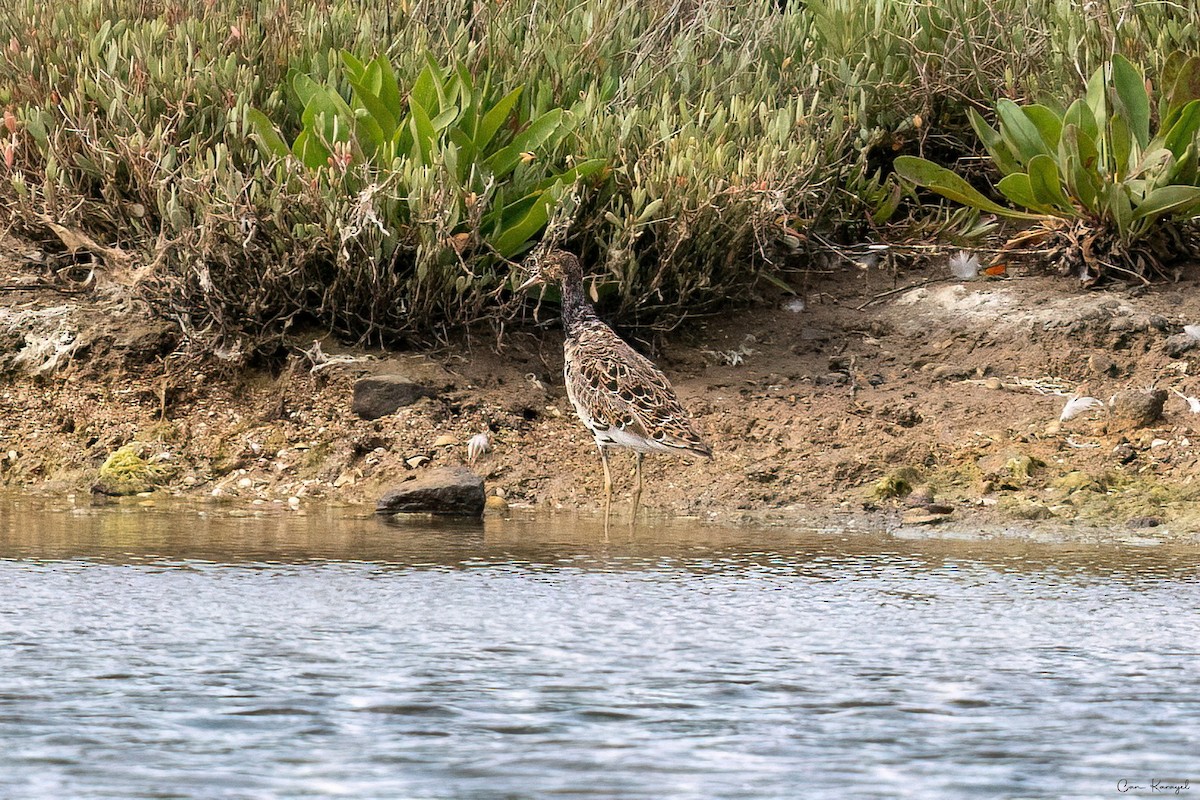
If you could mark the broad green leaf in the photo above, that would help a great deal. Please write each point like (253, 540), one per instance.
(327, 118)
(1186, 87)
(1121, 141)
(884, 211)
(424, 135)
(269, 140)
(423, 90)
(369, 135)
(1097, 96)
(310, 151)
(516, 236)
(1167, 76)
(1080, 185)
(383, 116)
(1017, 188)
(444, 119)
(535, 134)
(466, 153)
(1080, 158)
(1080, 115)
(439, 83)
(1183, 132)
(354, 67)
(373, 78)
(1131, 97)
(1120, 209)
(1186, 168)
(305, 87)
(951, 186)
(1048, 124)
(584, 169)
(389, 89)
(1167, 198)
(449, 155)
(402, 139)
(1046, 184)
(1002, 157)
(1019, 132)
(494, 118)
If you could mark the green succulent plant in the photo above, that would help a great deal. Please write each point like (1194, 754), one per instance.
(1108, 193)
(445, 121)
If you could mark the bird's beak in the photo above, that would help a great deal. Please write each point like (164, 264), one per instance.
(534, 280)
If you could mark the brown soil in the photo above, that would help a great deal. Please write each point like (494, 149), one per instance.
(881, 383)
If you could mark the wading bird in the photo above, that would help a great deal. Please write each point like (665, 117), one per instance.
(622, 398)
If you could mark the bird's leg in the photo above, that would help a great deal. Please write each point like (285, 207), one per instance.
(607, 487)
(637, 492)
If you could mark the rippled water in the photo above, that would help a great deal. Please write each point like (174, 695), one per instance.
(170, 655)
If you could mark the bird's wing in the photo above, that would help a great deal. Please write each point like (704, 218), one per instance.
(621, 388)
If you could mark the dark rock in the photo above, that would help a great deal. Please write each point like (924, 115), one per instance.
(450, 491)
(832, 379)
(143, 343)
(921, 496)
(920, 516)
(1124, 452)
(1101, 364)
(950, 372)
(901, 414)
(1139, 409)
(1143, 522)
(763, 475)
(380, 395)
(1179, 344)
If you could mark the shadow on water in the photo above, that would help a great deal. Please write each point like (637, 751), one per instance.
(40, 530)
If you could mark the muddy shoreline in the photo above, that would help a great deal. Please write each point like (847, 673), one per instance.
(905, 401)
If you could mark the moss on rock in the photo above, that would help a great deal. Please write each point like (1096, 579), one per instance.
(126, 472)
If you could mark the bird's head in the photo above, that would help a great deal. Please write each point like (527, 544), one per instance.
(551, 268)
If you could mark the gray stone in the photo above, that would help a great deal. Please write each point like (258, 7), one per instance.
(450, 491)
(1179, 344)
(380, 395)
(1139, 409)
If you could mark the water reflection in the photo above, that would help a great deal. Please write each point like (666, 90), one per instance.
(166, 654)
(44, 531)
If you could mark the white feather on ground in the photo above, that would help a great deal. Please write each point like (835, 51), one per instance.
(964, 266)
(479, 444)
(1077, 405)
(1193, 402)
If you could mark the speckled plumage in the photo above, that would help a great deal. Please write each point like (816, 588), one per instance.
(623, 399)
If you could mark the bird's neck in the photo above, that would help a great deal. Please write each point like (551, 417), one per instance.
(577, 311)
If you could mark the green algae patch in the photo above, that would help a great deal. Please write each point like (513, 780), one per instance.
(961, 482)
(125, 472)
(1024, 509)
(1023, 467)
(1078, 481)
(897, 483)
